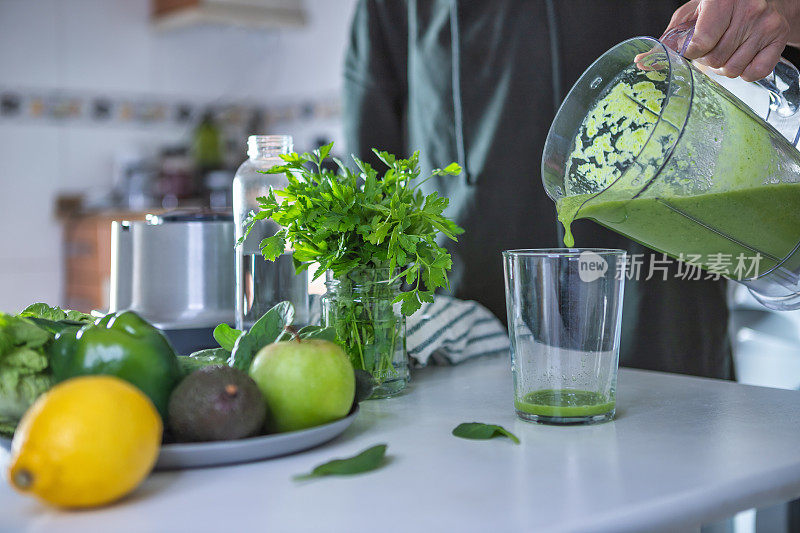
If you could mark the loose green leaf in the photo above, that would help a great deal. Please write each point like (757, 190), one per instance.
(368, 460)
(481, 431)
(265, 331)
(226, 336)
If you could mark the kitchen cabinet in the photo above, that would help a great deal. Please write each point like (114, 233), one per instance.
(682, 451)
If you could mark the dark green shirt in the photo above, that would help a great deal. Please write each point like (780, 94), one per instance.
(478, 82)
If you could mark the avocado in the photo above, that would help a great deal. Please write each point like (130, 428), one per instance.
(216, 403)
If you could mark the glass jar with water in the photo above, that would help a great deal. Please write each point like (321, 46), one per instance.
(260, 284)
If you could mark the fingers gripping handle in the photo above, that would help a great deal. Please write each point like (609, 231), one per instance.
(783, 83)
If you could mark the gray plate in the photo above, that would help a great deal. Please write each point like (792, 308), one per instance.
(199, 454)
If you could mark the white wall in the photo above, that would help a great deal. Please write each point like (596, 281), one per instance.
(110, 46)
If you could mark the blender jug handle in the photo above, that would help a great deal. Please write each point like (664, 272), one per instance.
(783, 84)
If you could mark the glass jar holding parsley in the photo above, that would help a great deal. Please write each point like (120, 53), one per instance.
(370, 233)
(359, 305)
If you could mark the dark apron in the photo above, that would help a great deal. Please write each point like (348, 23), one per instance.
(478, 82)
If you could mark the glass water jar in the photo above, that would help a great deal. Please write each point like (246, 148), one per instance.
(261, 284)
(372, 328)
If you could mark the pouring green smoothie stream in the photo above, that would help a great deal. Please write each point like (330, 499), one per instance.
(715, 197)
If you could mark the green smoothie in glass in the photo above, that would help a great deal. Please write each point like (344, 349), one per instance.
(565, 403)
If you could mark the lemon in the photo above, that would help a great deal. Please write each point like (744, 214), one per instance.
(86, 442)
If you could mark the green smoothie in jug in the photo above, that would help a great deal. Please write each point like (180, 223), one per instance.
(720, 200)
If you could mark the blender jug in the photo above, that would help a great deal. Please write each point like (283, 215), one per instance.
(652, 148)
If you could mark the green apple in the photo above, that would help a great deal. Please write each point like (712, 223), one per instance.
(305, 383)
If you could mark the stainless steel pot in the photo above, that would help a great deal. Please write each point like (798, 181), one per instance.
(177, 271)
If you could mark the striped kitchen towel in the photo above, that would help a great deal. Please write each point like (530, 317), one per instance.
(448, 331)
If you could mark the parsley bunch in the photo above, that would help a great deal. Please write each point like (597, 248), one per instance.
(348, 221)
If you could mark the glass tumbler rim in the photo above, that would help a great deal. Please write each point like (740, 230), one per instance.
(561, 252)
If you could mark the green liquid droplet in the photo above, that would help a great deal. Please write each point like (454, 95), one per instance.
(567, 209)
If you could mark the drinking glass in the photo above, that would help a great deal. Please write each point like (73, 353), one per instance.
(564, 315)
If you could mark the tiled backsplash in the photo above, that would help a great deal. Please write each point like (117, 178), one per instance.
(75, 108)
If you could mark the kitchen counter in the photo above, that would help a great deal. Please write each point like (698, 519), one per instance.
(682, 451)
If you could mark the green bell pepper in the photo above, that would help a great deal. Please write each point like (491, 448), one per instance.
(122, 345)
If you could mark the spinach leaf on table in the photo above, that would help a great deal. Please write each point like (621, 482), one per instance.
(370, 459)
(481, 431)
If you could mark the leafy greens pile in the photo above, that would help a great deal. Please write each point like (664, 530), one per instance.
(24, 367)
(350, 221)
(237, 348)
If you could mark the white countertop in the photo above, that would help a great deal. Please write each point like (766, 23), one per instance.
(682, 451)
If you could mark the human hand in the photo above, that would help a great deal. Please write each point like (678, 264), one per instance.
(739, 37)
